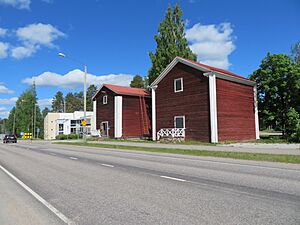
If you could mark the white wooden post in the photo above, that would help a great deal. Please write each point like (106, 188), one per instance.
(153, 97)
(118, 116)
(256, 112)
(213, 107)
(94, 125)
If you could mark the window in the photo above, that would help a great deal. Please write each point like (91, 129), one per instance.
(104, 99)
(178, 85)
(179, 121)
(60, 127)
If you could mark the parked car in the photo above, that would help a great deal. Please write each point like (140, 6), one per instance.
(10, 138)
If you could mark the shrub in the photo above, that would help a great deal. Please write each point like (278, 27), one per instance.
(68, 136)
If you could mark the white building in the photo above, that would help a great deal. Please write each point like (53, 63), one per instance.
(67, 123)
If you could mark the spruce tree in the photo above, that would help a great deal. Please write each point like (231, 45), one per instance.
(171, 42)
(137, 82)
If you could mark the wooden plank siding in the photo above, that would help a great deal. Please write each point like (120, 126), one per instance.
(105, 112)
(192, 102)
(136, 120)
(235, 106)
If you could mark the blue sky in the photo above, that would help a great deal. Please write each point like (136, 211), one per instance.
(114, 38)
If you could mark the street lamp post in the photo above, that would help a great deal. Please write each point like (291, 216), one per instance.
(84, 90)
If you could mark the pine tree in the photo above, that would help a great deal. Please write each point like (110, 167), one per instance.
(58, 102)
(171, 42)
(25, 114)
(137, 82)
(91, 91)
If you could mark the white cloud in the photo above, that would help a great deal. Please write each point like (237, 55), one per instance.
(19, 4)
(3, 32)
(74, 79)
(8, 101)
(3, 50)
(23, 51)
(212, 43)
(5, 90)
(39, 34)
(4, 114)
(45, 102)
(33, 37)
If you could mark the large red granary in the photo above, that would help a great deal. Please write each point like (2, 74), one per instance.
(122, 112)
(195, 101)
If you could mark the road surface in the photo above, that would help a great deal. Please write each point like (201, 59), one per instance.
(103, 186)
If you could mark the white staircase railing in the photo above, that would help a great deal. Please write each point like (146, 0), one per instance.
(171, 133)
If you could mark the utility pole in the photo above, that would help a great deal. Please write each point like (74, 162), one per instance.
(14, 125)
(84, 96)
(84, 92)
(34, 126)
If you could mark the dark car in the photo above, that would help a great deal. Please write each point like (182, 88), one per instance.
(10, 138)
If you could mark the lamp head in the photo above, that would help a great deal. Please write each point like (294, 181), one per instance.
(61, 54)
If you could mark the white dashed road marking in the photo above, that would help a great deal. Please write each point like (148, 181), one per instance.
(107, 165)
(173, 178)
(74, 158)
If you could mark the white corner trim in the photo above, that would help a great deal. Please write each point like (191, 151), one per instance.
(153, 95)
(118, 116)
(256, 113)
(94, 126)
(213, 108)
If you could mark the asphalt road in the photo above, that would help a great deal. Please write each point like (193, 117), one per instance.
(103, 186)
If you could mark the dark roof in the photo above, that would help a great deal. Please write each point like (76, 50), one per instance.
(215, 69)
(123, 90)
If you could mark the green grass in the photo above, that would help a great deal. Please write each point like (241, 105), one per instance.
(234, 155)
(137, 140)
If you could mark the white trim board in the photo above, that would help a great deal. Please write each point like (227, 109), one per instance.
(213, 108)
(118, 116)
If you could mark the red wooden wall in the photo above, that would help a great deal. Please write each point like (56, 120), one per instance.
(136, 120)
(105, 112)
(193, 102)
(235, 106)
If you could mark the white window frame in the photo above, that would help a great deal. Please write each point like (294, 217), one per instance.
(104, 99)
(107, 131)
(175, 117)
(181, 80)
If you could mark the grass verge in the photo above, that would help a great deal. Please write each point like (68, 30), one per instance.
(188, 142)
(233, 155)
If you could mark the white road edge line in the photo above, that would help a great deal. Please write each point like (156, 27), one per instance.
(107, 165)
(74, 158)
(39, 198)
(173, 178)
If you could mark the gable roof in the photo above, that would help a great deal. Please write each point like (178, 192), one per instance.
(122, 90)
(220, 73)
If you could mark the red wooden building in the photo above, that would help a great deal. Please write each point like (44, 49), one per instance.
(200, 102)
(122, 112)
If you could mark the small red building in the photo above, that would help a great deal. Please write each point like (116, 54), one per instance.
(200, 102)
(122, 112)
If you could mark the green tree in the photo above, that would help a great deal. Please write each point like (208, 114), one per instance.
(137, 82)
(71, 102)
(79, 101)
(293, 125)
(278, 86)
(296, 52)
(171, 42)
(26, 113)
(45, 111)
(58, 102)
(91, 91)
